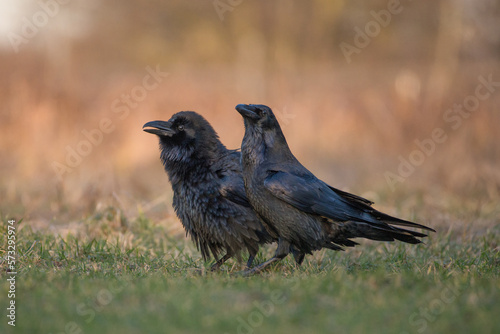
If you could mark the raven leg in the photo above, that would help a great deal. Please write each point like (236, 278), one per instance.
(282, 251)
(297, 255)
(250, 261)
(251, 257)
(220, 262)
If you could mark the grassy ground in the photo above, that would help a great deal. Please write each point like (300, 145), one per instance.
(119, 276)
(95, 253)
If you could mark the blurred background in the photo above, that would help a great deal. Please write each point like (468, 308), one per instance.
(395, 101)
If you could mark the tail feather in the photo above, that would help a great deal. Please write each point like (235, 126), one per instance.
(369, 214)
(380, 216)
(380, 232)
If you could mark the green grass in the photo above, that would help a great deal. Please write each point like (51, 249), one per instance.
(117, 276)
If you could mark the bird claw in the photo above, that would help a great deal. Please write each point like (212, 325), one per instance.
(259, 268)
(249, 272)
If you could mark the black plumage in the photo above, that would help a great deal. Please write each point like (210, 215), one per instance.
(296, 207)
(209, 195)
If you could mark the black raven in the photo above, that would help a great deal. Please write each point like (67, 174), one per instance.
(209, 194)
(299, 209)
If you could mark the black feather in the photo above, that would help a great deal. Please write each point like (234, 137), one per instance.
(209, 194)
(302, 210)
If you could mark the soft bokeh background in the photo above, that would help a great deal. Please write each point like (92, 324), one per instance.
(67, 67)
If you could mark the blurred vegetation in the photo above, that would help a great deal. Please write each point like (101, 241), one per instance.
(349, 122)
(99, 247)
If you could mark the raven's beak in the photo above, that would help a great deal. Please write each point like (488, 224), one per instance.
(160, 128)
(248, 111)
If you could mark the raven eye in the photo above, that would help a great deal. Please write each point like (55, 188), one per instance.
(263, 112)
(180, 128)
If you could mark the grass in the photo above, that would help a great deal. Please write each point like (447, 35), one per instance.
(117, 276)
(110, 273)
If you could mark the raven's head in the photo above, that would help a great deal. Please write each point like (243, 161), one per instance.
(185, 135)
(258, 116)
(262, 129)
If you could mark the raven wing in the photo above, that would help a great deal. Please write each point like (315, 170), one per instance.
(311, 195)
(308, 194)
(228, 170)
(233, 189)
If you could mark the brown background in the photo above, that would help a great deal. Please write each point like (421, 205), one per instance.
(348, 122)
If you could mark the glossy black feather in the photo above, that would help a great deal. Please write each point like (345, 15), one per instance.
(296, 206)
(209, 194)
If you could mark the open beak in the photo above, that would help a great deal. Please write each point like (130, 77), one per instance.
(248, 111)
(160, 128)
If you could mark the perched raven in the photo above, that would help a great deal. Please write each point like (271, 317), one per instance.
(209, 194)
(298, 208)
